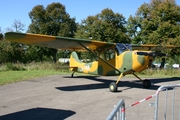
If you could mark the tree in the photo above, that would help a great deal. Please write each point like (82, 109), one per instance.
(1, 35)
(18, 26)
(133, 27)
(106, 26)
(52, 20)
(156, 23)
(10, 51)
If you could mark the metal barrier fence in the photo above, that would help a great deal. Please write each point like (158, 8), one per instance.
(118, 112)
(172, 99)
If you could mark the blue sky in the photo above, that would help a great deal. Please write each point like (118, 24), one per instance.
(80, 9)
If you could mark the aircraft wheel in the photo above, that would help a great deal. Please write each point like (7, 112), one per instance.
(146, 83)
(113, 87)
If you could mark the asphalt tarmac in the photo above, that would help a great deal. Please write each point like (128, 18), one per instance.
(60, 97)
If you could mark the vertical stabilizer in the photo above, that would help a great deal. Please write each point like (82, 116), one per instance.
(74, 60)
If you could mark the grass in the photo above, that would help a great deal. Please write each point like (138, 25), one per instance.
(160, 73)
(7, 77)
(11, 73)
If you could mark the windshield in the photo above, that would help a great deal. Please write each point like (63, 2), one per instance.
(120, 47)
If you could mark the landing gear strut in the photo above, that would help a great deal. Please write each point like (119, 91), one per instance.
(146, 83)
(113, 85)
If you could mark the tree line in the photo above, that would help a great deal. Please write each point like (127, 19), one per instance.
(157, 22)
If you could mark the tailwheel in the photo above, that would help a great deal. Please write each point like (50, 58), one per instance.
(113, 87)
(146, 83)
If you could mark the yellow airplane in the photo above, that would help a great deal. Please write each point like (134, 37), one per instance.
(111, 58)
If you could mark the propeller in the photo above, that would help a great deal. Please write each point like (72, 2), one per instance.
(155, 54)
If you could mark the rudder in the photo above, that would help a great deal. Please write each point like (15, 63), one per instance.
(74, 60)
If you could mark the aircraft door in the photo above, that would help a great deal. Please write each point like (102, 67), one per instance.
(108, 55)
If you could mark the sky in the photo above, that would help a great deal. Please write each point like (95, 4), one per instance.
(80, 9)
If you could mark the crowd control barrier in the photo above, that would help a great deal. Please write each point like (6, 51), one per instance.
(170, 111)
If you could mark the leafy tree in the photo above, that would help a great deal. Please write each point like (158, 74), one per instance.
(52, 20)
(10, 51)
(133, 27)
(106, 26)
(1, 34)
(157, 23)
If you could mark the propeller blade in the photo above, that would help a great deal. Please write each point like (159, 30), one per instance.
(143, 53)
(160, 54)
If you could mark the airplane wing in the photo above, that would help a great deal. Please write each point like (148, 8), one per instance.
(56, 42)
(147, 47)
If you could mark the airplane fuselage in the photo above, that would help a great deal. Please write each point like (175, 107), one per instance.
(127, 62)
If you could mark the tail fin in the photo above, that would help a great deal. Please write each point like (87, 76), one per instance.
(74, 60)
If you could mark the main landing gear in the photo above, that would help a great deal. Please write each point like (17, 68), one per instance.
(113, 85)
(146, 83)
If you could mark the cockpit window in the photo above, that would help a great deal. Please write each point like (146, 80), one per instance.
(109, 54)
(120, 47)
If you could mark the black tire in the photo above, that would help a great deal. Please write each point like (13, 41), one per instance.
(146, 83)
(113, 87)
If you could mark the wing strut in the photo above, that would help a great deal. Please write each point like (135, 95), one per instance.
(99, 57)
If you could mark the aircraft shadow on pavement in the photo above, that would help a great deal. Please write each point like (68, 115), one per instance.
(104, 83)
(39, 114)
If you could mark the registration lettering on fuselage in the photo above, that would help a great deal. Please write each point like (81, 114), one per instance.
(85, 67)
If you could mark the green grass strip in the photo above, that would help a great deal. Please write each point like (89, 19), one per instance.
(7, 77)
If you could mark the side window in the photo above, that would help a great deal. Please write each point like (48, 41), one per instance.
(109, 54)
(100, 54)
